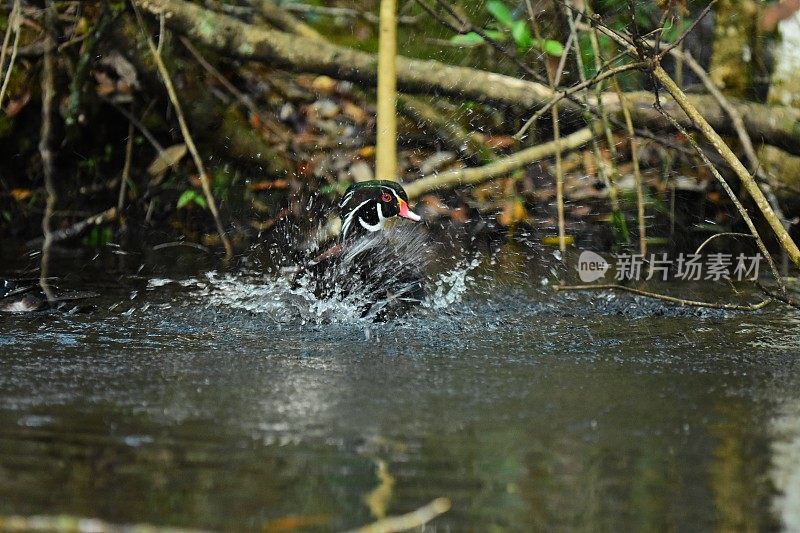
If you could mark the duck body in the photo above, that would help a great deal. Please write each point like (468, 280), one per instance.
(375, 265)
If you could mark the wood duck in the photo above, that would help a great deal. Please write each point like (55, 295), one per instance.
(373, 265)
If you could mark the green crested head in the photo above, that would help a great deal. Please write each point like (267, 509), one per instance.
(367, 205)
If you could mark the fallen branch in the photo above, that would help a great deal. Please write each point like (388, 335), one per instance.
(79, 228)
(408, 521)
(788, 300)
(234, 38)
(505, 165)
(297, 7)
(285, 21)
(664, 297)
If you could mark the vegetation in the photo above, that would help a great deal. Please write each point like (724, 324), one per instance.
(215, 122)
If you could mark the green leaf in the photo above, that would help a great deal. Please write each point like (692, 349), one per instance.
(500, 12)
(553, 48)
(522, 35)
(619, 227)
(200, 200)
(186, 198)
(468, 39)
(498, 36)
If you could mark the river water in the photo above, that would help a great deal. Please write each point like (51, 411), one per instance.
(219, 399)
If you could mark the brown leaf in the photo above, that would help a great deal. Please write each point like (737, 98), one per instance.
(15, 105)
(513, 211)
(499, 142)
(20, 194)
(169, 157)
(267, 185)
(255, 121)
(356, 113)
(366, 152)
(295, 522)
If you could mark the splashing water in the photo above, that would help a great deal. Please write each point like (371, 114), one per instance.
(451, 285)
(341, 294)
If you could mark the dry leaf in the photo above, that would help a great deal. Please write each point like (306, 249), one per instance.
(255, 121)
(20, 194)
(366, 152)
(356, 113)
(169, 157)
(295, 523)
(513, 211)
(267, 185)
(17, 104)
(499, 142)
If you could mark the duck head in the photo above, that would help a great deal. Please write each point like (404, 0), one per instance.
(366, 206)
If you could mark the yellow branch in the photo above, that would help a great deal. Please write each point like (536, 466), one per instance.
(386, 146)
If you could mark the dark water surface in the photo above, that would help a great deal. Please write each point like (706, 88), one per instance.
(214, 403)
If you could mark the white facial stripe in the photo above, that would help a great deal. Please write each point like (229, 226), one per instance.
(346, 199)
(373, 227)
(349, 219)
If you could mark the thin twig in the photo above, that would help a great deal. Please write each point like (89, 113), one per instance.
(553, 79)
(664, 297)
(46, 151)
(788, 300)
(14, 21)
(126, 169)
(686, 32)
(187, 136)
(177, 244)
(602, 120)
(139, 126)
(716, 235)
(466, 26)
(597, 78)
(7, 36)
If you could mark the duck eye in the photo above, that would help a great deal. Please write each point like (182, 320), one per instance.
(386, 197)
